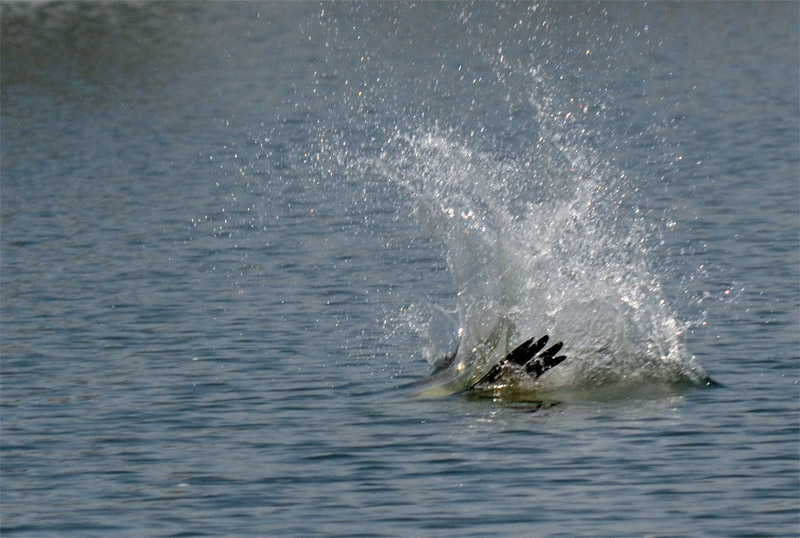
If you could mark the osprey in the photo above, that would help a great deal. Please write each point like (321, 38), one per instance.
(526, 363)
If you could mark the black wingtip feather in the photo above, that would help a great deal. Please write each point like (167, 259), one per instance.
(525, 355)
(552, 351)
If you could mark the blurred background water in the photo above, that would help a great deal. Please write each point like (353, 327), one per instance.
(230, 231)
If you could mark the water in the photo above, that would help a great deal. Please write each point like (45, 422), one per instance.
(231, 231)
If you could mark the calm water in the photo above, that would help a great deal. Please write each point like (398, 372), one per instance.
(231, 231)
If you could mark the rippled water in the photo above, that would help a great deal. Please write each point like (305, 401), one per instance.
(230, 232)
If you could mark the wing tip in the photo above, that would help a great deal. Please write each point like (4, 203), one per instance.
(526, 356)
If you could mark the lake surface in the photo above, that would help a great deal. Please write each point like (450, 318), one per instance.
(233, 231)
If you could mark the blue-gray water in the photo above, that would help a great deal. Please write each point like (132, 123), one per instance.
(230, 231)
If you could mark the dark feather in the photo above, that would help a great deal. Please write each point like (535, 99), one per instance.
(525, 355)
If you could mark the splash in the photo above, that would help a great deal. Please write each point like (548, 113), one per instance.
(512, 142)
(534, 252)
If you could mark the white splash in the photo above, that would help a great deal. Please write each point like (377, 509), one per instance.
(534, 253)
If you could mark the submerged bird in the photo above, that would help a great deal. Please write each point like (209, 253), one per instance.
(525, 364)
